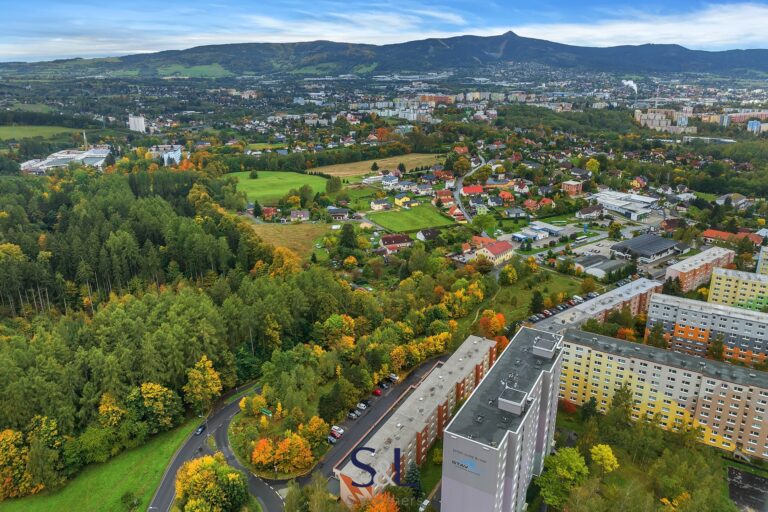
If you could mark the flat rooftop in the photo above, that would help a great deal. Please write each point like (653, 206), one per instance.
(743, 276)
(700, 259)
(645, 245)
(709, 308)
(512, 377)
(401, 426)
(713, 369)
(613, 298)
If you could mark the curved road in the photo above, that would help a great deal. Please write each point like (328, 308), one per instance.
(460, 185)
(196, 446)
(218, 425)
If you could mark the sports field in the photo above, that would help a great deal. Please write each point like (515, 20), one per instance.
(270, 186)
(420, 217)
(300, 238)
(411, 161)
(17, 132)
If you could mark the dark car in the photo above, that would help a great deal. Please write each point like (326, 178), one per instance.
(366, 402)
(200, 430)
(384, 384)
(331, 440)
(352, 415)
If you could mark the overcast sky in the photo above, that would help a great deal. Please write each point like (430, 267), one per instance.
(50, 29)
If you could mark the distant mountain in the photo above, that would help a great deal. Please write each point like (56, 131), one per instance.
(319, 58)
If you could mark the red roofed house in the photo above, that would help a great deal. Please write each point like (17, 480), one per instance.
(497, 252)
(545, 201)
(471, 190)
(267, 212)
(445, 197)
(713, 235)
(481, 241)
(506, 196)
(531, 204)
(455, 212)
(461, 150)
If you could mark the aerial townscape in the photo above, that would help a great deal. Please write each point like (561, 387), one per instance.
(414, 257)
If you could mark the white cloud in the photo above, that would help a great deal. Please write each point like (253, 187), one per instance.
(713, 27)
(742, 25)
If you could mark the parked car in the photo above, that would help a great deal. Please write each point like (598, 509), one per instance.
(331, 440)
(423, 506)
(366, 402)
(362, 406)
(393, 377)
(384, 384)
(200, 430)
(377, 392)
(352, 415)
(335, 435)
(338, 430)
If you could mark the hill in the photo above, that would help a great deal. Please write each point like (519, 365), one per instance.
(458, 53)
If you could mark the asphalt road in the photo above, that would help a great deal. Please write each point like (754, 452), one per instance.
(196, 446)
(460, 184)
(266, 492)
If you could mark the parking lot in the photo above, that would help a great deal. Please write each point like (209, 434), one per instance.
(559, 308)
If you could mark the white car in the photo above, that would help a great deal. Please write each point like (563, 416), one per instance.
(423, 506)
(362, 406)
(338, 430)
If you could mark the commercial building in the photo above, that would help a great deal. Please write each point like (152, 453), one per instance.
(137, 124)
(690, 326)
(696, 270)
(497, 253)
(645, 248)
(631, 206)
(740, 289)
(727, 402)
(711, 236)
(636, 296)
(571, 187)
(417, 421)
(497, 442)
(93, 157)
(762, 261)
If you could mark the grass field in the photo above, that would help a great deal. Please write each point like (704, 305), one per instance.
(355, 169)
(207, 71)
(300, 238)
(21, 131)
(258, 146)
(31, 107)
(270, 186)
(100, 487)
(420, 217)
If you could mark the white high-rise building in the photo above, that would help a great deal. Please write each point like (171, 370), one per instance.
(497, 442)
(137, 124)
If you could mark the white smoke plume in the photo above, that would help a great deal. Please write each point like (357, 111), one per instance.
(630, 83)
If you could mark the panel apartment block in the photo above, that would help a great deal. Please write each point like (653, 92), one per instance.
(697, 270)
(415, 424)
(497, 441)
(739, 289)
(727, 402)
(690, 326)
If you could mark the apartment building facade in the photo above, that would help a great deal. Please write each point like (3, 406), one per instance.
(762, 261)
(497, 441)
(727, 402)
(415, 424)
(690, 326)
(697, 270)
(740, 289)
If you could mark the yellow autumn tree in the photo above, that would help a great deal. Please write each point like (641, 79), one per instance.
(314, 431)
(110, 412)
(15, 479)
(284, 262)
(603, 457)
(203, 384)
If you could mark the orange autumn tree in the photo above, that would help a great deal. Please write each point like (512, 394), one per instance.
(491, 323)
(382, 502)
(293, 453)
(263, 453)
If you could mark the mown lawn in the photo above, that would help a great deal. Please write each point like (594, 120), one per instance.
(431, 473)
(100, 487)
(300, 238)
(356, 169)
(420, 217)
(17, 132)
(270, 186)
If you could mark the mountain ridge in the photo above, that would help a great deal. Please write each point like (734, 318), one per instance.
(465, 52)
